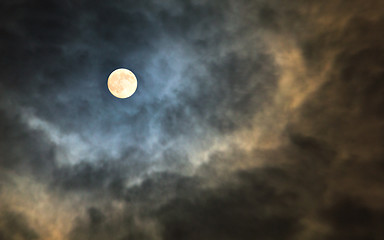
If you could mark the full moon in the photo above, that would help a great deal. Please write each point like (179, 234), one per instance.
(122, 83)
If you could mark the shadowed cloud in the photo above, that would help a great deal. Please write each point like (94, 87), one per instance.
(252, 119)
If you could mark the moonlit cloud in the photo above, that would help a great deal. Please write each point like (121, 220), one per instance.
(252, 119)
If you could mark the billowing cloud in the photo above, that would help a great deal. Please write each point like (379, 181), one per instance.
(252, 119)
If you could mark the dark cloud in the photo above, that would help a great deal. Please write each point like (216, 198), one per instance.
(265, 202)
(14, 226)
(251, 209)
(351, 219)
(98, 228)
(252, 119)
(96, 176)
(19, 148)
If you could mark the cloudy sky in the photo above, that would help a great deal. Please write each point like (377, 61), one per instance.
(253, 119)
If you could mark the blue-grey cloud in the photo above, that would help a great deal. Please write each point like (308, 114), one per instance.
(252, 119)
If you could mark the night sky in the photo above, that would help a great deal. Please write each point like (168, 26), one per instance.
(252, 120)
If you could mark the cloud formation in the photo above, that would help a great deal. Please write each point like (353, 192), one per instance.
(252, 119)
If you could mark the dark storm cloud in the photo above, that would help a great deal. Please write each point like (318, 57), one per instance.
(15, 226)
(241, 212)
(19, 148)
(267, 202)
(205, 71)
(349, 109)
(100, 175)
(98, 227)
(351, 219)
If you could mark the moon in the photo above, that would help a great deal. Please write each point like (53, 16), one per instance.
(122, 83)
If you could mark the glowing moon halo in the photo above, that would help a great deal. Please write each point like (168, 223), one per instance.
(122, 83)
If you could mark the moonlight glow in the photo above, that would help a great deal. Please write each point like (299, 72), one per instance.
(122, 83)
(253, 119)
